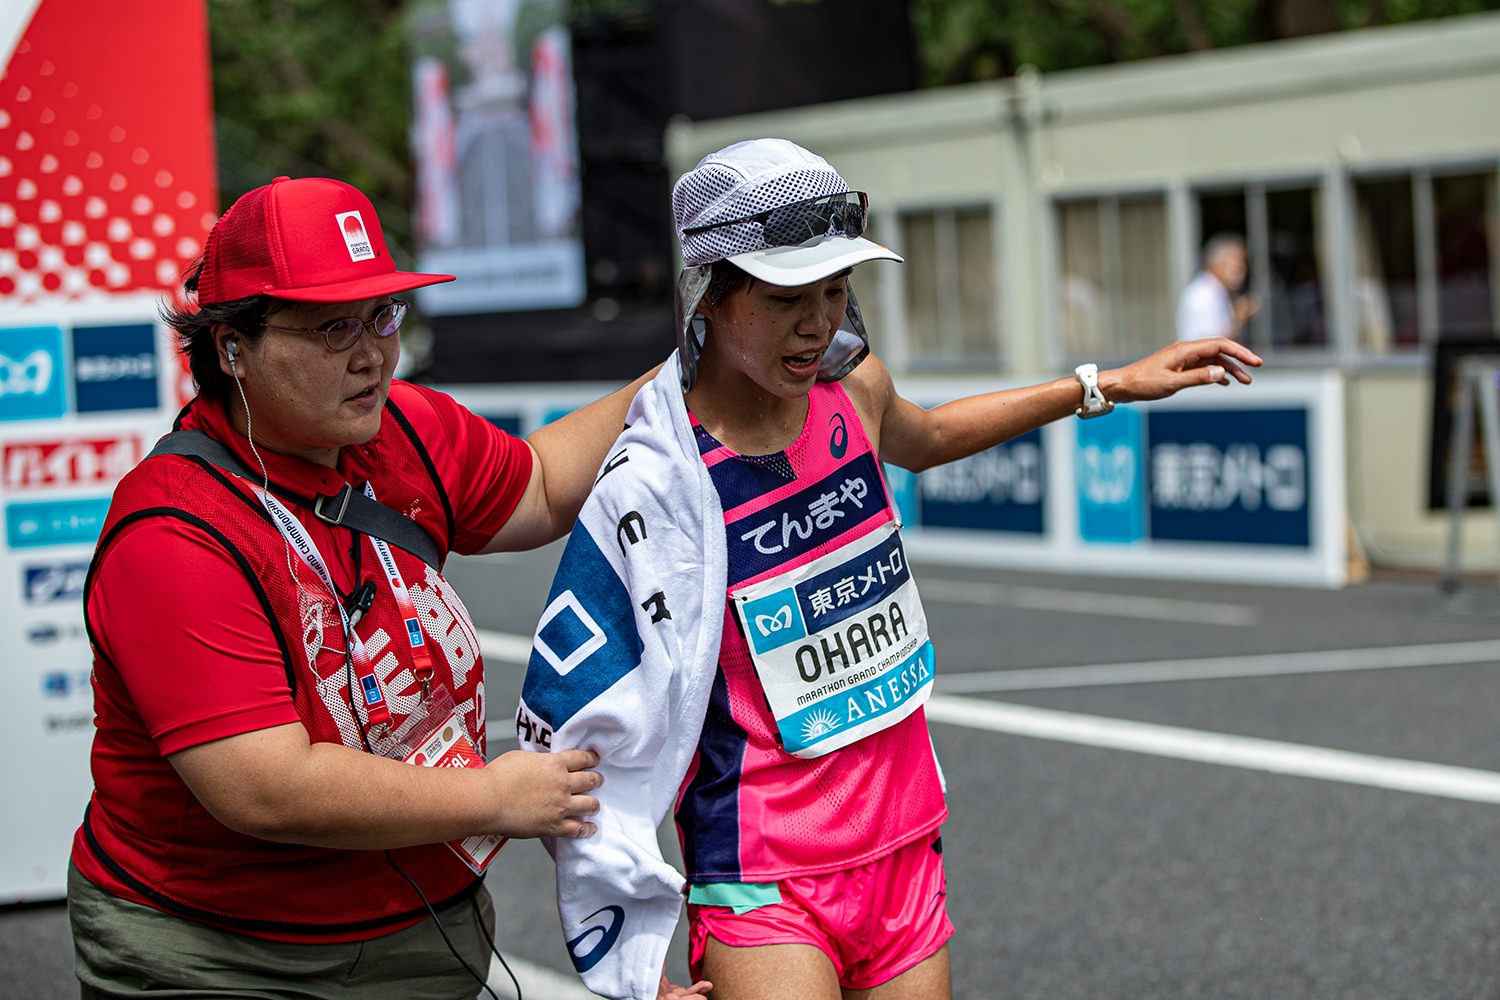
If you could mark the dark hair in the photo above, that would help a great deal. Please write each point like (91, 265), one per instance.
(725, 278)
(194, 328)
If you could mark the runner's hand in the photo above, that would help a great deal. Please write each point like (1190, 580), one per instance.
(669, 990)
(1179, 366)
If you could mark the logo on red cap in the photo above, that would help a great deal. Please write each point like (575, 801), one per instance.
(355, 237)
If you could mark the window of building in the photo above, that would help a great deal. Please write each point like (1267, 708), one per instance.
(1283, 232)
(1115, 296)
(949, 279)
(1424, 268)
(1463, 208)
(1386, 317)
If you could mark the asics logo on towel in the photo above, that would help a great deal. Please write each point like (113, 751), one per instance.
(838, 441)
(782, 619)
(31, 375)
(600, 938)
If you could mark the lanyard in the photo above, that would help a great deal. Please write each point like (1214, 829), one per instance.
(370, 687)
(420, 654)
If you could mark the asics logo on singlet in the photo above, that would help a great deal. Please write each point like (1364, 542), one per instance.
(31, 375)
(838, 441)
(607, 933)
(782, 619)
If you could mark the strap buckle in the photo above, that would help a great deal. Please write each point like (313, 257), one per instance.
(343, 497)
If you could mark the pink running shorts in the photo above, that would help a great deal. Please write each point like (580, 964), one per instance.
(873, 921)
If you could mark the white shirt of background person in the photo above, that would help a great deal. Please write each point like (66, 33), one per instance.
(1206, 308)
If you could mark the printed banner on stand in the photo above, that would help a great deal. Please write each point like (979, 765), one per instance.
(107, 192)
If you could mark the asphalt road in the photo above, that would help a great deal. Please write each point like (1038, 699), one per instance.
(1253, 792)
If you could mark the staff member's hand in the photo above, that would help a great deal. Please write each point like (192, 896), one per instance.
(546, 794)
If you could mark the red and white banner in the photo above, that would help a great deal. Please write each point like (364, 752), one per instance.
(106, 148)
(107, 192)
(92, 461)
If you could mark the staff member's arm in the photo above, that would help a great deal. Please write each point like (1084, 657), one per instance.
(566, 456)
(276, 785)
(208, 685)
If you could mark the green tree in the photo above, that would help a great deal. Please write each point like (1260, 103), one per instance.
(965, 40)
(308, 87)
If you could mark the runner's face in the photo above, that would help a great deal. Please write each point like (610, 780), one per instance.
(771, 338)
(306, 400)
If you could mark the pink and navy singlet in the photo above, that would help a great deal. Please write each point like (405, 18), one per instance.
(748, 810)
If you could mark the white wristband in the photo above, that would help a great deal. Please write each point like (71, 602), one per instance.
(1094, 403)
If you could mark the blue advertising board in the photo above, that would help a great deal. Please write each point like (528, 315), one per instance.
(1001, 489)
(1244, 483)
(115, 368)
(1109, 467)
(75, 521)
(31, 373)
(1238, 476)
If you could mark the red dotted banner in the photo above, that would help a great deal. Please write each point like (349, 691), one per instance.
(106, 150)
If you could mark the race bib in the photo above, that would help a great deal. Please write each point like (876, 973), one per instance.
(840, 644)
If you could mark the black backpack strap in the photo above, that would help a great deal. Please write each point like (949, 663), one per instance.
(350, 507)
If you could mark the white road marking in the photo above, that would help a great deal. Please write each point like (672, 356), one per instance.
(1083, 602)
(504, 646)
(1441, 780)
(1221, 667)
(1469, 784)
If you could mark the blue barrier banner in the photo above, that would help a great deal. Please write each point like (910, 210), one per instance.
(1001, 489)
(510, 423)
(114, 368)
(55, 522)
(1239, 475)
(1110, 473)
(31, 373)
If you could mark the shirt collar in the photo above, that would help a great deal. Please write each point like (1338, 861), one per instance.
(287, 471)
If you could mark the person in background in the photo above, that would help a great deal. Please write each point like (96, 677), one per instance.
(734, 628)
(267, 673)
(1212, 304)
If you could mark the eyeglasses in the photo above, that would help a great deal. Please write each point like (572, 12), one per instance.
(342, 334)
(792, 225)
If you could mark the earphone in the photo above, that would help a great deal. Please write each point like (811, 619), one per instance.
(232, 349)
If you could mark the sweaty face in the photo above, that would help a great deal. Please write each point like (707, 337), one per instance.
(306, 400)
(768, 340)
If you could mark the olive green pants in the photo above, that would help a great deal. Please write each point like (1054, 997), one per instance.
(123, 949)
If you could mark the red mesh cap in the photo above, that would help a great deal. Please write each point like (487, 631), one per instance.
(307, 240)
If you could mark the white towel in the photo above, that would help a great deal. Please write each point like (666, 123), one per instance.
(622, 663)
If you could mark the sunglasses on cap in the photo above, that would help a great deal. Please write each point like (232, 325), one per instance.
(792, 225)
(343, 333)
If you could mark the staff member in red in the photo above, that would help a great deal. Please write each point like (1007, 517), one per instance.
(266, 673)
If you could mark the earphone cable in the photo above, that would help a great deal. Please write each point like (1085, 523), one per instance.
(443, 931)
(266, 485)
(489, 933)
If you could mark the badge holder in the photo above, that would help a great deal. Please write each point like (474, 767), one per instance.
(434, 736)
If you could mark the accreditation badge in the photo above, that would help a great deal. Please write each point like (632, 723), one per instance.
(435, 736)
(840, 644)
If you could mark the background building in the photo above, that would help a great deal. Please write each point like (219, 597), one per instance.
(1049, 220)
